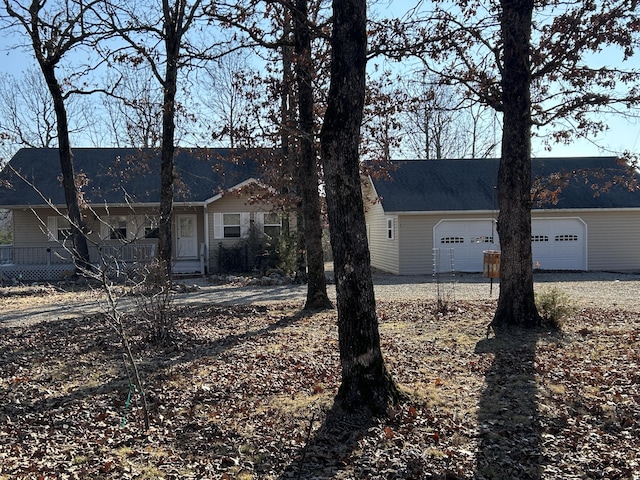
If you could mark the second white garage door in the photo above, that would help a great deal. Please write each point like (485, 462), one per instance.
(558, 243)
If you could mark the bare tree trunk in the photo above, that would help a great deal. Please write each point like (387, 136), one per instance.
(317, 297)
(290, 152)
(366, 382)
(77, 223)
(173, 16)
(301, 252)
(516, 304)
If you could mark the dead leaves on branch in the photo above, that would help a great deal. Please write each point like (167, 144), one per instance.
(247, 393)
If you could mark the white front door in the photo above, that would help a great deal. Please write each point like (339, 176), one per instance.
(186, 236)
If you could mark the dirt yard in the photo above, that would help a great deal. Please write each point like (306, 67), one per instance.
(245, 392)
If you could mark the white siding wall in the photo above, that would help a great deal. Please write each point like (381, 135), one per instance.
(29, 232)
(232, 204)
(416, 244)
(384, 252)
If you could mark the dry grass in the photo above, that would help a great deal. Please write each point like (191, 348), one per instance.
(246, 393)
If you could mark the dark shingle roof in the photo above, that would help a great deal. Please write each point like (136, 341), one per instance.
(116, 174)
(469, 184)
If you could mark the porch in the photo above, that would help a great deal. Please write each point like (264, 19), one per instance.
(33, 264)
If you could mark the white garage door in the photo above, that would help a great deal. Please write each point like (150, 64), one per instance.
(557, 243)
(466, 240)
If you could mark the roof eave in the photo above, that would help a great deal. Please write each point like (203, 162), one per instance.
(240, 185)
(494, 212)
(440, 212)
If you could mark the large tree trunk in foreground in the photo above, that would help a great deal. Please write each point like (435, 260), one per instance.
(516, 304)
(71, 194)
(317, 298)
(173, 20)
(365, 380)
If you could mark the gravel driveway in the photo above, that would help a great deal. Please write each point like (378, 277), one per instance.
(589, 289)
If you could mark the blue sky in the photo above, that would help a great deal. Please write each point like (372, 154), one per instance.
(623, 133)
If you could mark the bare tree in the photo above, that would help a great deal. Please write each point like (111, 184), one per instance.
(158, 36)
(28, 114)
(529, 61)
(134, 116)
(225, 99)
(287, 36)
(317, 297)
(442, 123)
(516, 303)
(54, 31)
(382, 129)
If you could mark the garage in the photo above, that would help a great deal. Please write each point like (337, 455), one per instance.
(557, 243)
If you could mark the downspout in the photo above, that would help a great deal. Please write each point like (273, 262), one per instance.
(206, 237)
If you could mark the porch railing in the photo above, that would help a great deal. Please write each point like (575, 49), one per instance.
(59, 255)
(6, 254)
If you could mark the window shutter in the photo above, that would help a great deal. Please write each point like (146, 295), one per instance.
(104, 228)
(245, 223)
(218, 230)
(135, 228)
(52, 229)
(259, 217)
(131, 227)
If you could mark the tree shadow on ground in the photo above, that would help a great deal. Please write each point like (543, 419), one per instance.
(508, 418)
(90, 336)
(327, 451)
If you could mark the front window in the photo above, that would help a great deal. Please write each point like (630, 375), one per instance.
(150, 227)
(452, 240)
(58, 228)
(231, 225)
(63, 229)
(117, 228)
(272, 226)
(539, 238)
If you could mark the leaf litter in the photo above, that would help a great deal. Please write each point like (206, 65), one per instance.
(245, 392)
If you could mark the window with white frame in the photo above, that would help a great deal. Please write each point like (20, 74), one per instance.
(271, 225)
(481, 239)
(391, 228)
(566, 238)
(539, 238)
(58, 228)
(150, 227)
(231, 225)
(118, 227)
